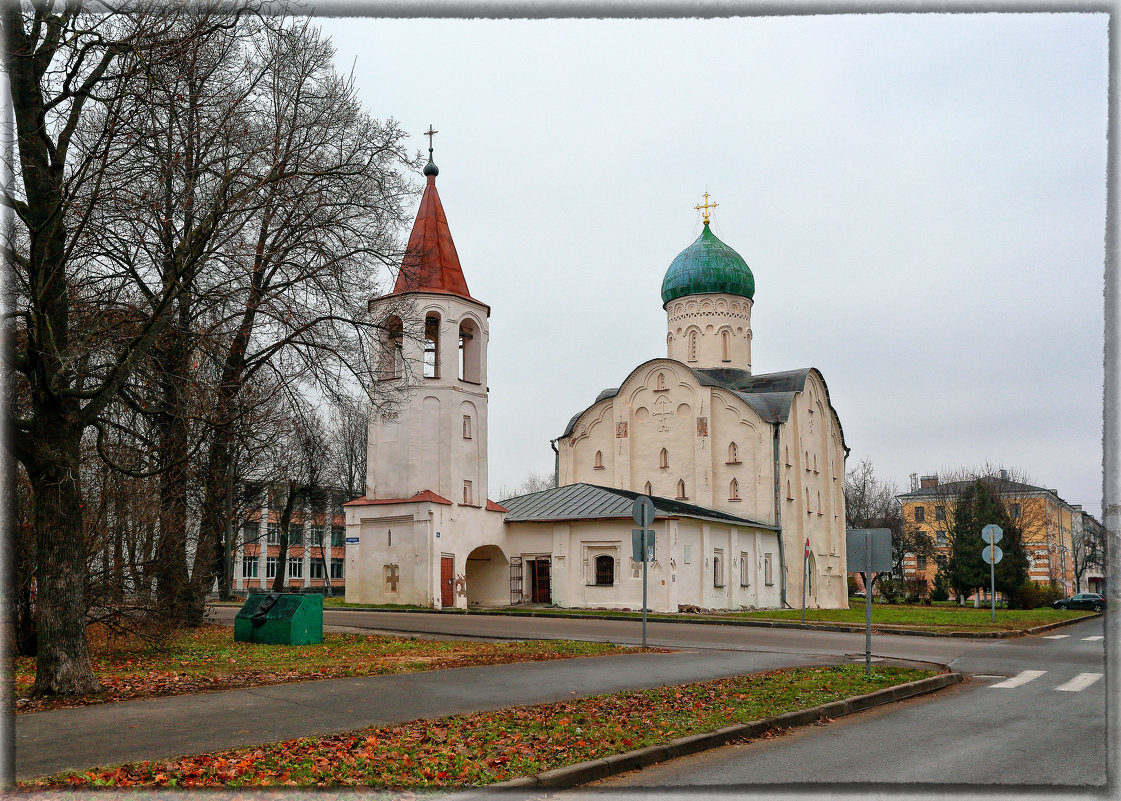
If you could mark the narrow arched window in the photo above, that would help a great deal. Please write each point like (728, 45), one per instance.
(717, 572)
(393, 361)
(726, 345)
(432, 346)
(734, 490)
(733, 453)
(599, 460)
(605, 570)
(692, 346)
(661, 381)
(663, 458)
(648, 489)
(681, 489)
(470, 352)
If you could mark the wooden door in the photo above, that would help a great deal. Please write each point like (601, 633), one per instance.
(447, 581)
(541, 575)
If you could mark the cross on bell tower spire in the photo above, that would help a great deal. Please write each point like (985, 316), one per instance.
(705, 206)
(430, 169)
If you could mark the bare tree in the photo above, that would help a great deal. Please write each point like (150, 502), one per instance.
(871, 503)
(76, 329)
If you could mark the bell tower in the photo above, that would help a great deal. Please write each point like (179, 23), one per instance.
(431, 344)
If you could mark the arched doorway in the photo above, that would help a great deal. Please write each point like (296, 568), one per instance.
(488, 577)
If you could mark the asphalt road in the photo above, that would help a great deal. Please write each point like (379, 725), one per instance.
(1032, 712)
(940, 650)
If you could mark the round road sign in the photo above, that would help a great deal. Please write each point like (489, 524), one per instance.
(643, 510)
(994, 557)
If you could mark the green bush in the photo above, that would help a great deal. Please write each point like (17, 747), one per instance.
(1030, 595)
(853, 587)
(891, 591)
(939, 592)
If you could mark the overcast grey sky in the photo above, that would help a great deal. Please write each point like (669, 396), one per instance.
(920, 197)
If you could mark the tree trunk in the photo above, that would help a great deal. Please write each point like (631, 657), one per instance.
(63, 659)
(173, 596)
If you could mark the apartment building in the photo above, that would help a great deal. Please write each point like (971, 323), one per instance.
(316, 544)
(1046, 520)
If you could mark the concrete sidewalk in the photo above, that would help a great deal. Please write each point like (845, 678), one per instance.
(160, 728)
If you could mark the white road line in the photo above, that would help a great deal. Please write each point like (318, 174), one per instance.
(1091, 639)
(1078, 683)
(1021, 678)
(1056, 636)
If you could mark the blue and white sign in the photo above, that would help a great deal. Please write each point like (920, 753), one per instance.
(352, 539)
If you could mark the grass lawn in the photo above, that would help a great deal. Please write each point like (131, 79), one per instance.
(491, 747)
(938, 617)
(207, 658)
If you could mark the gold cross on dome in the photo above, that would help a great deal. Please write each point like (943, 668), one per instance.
(430, 133)
(706, 206)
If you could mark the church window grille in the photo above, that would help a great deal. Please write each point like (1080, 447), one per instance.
(745, 570)
(648, 489)
(681, 490)
(432, 346)
(734, 490)
(467, 426)
(467, 493)
(726, 346)
(733, 453)
(605, 571)
(692, 346)
(599, 460)
(663, 459)
(718, 568)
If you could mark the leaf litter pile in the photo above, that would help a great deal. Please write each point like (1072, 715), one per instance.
(491, 747)
(207, 658)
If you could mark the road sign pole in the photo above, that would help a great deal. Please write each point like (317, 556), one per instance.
(992, 578)
(868, 610)
(645, 527)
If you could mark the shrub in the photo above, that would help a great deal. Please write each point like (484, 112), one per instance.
(1030, 595)
(940, 592)
(891, 591)
(854, 588)
(916, 589)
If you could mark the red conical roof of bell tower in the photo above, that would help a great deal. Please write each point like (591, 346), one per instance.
(431, 263)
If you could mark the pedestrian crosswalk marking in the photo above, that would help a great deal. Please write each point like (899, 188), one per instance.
(1056, 636)
(1020, 678)
(1078, 683)
(1091, 639)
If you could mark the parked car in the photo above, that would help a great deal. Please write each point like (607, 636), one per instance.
(1084, 600)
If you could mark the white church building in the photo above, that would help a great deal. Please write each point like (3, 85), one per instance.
(746, 472)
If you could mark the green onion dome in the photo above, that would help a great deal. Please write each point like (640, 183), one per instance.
(706, 267)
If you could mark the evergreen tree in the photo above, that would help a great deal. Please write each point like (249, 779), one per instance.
(976, 507)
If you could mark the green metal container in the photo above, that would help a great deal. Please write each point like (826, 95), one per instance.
(289, 619)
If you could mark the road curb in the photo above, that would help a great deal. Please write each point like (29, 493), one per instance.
(770, 624)
(582, 772)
